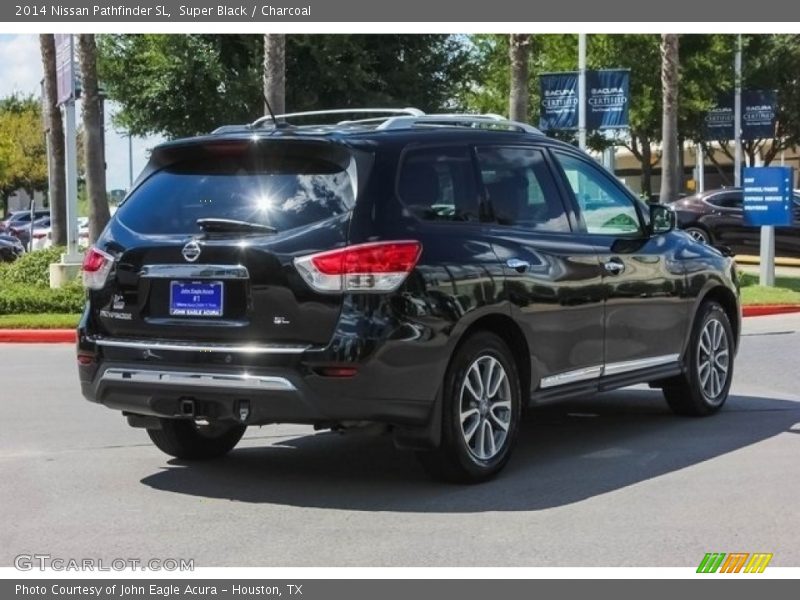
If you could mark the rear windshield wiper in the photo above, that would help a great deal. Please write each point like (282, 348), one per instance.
(223, 225)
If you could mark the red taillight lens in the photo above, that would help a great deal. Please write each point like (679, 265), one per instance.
(379, 267)
(96, 267)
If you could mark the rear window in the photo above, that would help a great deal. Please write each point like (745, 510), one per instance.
(280, 191)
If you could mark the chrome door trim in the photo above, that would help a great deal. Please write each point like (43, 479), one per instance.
(239, 381)
(626, 366)
(571, 376)
(597, 371)
(175, 346)
(194, 271)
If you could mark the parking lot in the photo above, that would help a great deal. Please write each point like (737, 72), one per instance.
(611, 480)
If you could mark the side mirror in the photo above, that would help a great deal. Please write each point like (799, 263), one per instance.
(662, 219)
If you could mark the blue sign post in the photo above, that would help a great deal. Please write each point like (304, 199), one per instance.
(768, 196)
(768, 203)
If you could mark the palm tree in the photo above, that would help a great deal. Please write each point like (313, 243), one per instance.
(94, 137)
(519, 55)
(275, 71)
(670, 161)
(54, 127)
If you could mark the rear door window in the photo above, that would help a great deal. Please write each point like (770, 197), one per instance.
(282, 192)
(520, 188)
(438, 184)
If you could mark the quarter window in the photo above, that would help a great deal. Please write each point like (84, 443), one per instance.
(605, 207)
(438, 184)
(520, 188)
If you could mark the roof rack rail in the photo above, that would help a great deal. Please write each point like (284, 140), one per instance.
(448, 120)
(413, 112)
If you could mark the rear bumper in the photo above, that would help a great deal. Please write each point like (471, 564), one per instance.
(271, 395)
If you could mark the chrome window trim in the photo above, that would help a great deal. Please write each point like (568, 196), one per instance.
(598, 371)
(194, 271)
(199, 347)
(181, 378)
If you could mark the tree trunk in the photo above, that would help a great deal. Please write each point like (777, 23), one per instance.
(55, 136)
(519, 55)
(275, 71)
(94, 137)
(670, 179)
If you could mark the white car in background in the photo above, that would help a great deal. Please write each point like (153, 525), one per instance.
(43, 237)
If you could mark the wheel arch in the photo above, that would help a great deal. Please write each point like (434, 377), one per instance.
(727, 299)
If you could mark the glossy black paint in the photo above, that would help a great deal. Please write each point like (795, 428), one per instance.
(564, 312)
(719, 213)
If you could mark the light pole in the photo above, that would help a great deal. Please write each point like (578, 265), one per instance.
(737, 116)
(582, 90)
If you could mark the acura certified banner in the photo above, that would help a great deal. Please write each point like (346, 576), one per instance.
(759, 116)
(607, 96)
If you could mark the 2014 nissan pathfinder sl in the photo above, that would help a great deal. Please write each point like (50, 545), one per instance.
(431, 273)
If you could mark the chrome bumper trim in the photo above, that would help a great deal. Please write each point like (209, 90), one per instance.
(241, 381)
(199, 347)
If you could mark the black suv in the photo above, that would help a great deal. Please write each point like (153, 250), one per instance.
(432, 274)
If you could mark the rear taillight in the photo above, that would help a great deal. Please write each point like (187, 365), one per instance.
(373, 267)
(96, 267)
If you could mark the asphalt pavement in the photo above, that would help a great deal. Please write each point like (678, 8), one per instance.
(610, 480)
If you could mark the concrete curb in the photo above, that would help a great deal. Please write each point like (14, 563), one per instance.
(68, 336)
(745, 259)
(763, 310)
(38, 336)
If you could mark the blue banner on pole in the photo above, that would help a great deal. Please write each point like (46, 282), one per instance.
(768, 196)
(559, 101)
(608, 93)
(759, 116)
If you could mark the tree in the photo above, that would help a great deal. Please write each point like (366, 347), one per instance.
(94, 132)
(23, 156)
(670, 174)
(180, 85)
(519, 54)
(275, 72)
(55, 135)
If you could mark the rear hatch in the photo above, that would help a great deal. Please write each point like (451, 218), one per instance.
(204, 246)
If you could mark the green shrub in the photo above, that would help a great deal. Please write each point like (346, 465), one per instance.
(32, 269)
(21, 298)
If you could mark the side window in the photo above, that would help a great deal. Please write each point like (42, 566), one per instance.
(438, 184)
(726, 200)
(606, 209)
(520, 188)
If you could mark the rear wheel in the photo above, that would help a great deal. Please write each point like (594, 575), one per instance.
(191, 440)
(704, 387)
(481, 412)
(699, 234)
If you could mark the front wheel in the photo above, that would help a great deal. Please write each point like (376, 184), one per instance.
(190, 440)
(704, 387)
(481, 410)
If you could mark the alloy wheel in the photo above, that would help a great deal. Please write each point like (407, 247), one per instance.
(713, 360)
(485, 407)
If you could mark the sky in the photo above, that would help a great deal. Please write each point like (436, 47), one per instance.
(21, 71)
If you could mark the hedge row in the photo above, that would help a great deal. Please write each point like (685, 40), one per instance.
(18, 298)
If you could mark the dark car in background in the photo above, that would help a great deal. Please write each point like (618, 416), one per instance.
(717, 217)
(20, 218)
(430, 275)
(10, 248)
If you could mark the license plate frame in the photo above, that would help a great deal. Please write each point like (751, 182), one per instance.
(188, 298)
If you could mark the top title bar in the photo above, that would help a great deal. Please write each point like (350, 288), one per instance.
(450, 11)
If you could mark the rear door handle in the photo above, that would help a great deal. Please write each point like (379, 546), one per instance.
(518, 265)
(614, 266)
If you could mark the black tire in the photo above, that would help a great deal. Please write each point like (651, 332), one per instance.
(693, 394)
(699, 234)
(186, 440)
(475, 459)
